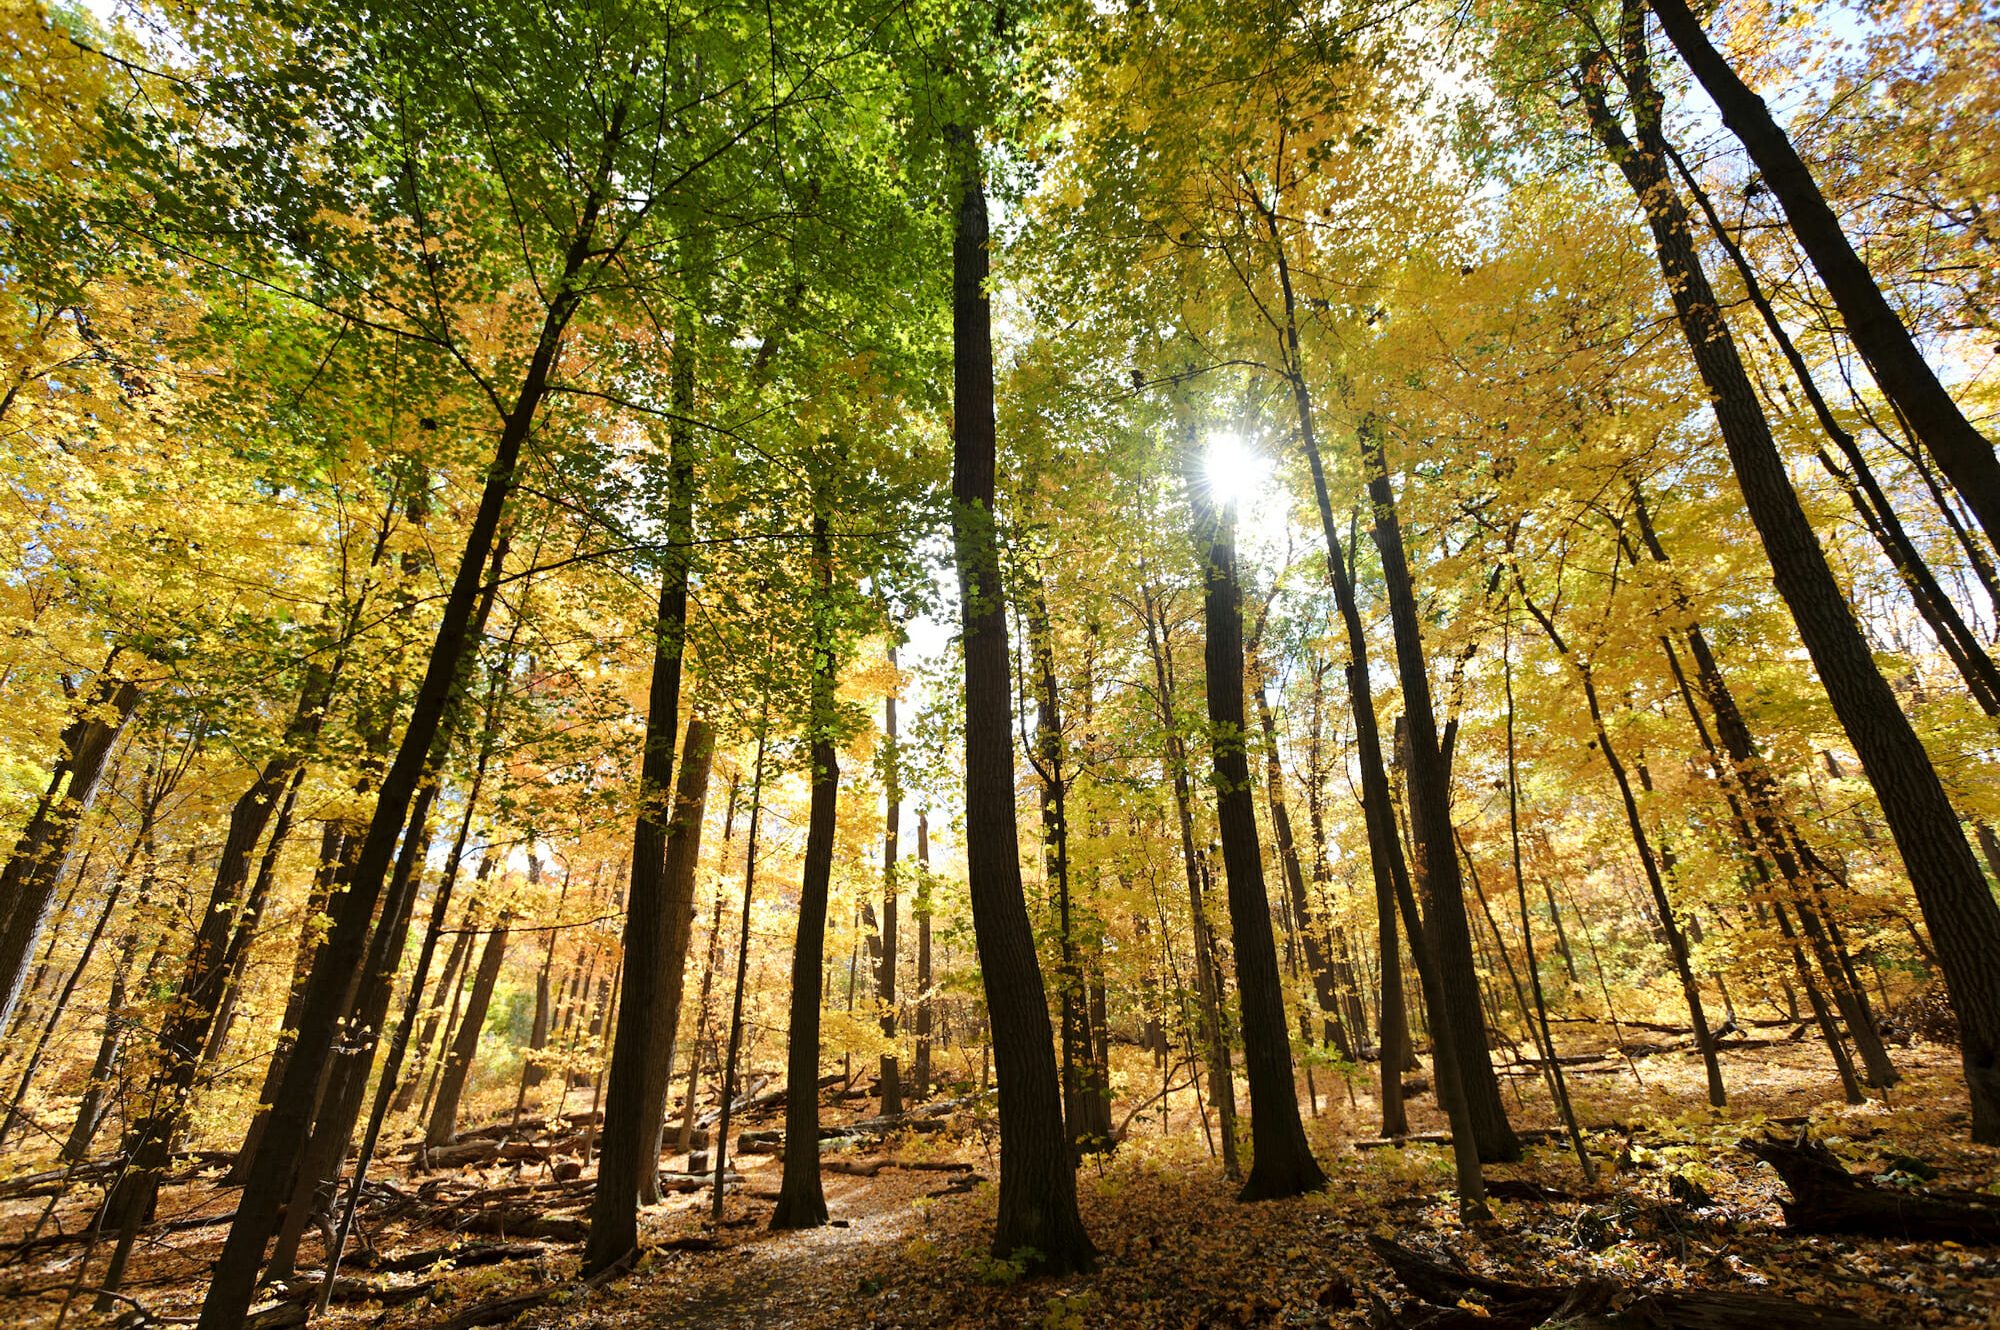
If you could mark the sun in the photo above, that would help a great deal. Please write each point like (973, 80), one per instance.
(1237, 473)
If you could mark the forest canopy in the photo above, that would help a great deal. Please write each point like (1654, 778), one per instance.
(1348, 648)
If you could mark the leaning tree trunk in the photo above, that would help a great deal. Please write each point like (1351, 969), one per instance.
(801, 1202)
(1038, 1221)
(1312, 933)
(1906, 379)
(1281, 1164)
(1963, 919)
(28, 882)
(1208, 981)
(286, 1129)
(629, 1149)
(1392, 888)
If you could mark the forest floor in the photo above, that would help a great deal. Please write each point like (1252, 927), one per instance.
(1678, 1205)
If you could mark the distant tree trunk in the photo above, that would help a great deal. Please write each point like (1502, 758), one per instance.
(249, 921)
(28, 882)
(683, 855)
(1430, 824)
(442, 1126)
(1962, 452)
(1963, 919)
(704, 1015)
(1558, 1086)
(922, 910)
(1208, 981)
(735, 1041)
(426, 1038)
(1281, 1163)
(1311, 932)
(801, 1202)
(1053, 780)
(1670, 932)
(222, 936)
(1775, 833)
(1038, 1220)
(53, 1017)
(885, 973)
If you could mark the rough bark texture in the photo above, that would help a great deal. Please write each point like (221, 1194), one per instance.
(1038, 1219)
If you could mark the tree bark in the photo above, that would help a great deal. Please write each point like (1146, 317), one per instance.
(1963, 919)
(1038, 1222)
(683, 855)
(28, 882)
(921, 908)
(885, 971)
(1281, 1164)
(1430, 824)
(801, 1201)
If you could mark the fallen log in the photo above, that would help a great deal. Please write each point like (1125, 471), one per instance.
(521, 1223)
(461, 1256)
(1826, 1198)
(1451, 1297)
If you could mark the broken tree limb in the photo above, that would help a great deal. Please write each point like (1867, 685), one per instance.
(1826, 1198)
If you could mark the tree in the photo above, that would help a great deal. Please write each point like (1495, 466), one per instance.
(1038, 1223)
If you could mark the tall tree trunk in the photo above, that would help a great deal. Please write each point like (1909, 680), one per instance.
(628, 1152)
(1963, 919)
(1558, 1087)
(1038, 1220)
(1775, 831)
(286, 1128)
(801, 1202)
(1281, 1163)
(1430, 824)
(682, 857)
(921, 908)
(1954, 635)
(1377, 800)
(28, 882)
(885, 971)
(728, 1087)
(1962, 452)
(1670, 932)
